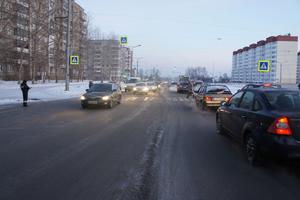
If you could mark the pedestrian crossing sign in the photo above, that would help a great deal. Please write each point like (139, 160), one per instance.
(74, 60)
(263, 66)
(124, 40)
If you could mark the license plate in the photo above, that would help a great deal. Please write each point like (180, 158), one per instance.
(92, 102)
(218, 99)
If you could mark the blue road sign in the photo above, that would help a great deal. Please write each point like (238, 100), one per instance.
(124, 40)
(74, 60)
(263, 66)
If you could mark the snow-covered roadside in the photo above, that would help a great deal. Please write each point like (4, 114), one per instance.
(10, 92)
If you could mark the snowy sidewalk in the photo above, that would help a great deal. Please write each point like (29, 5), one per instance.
(10, 91)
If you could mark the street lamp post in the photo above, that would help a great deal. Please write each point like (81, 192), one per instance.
(131, 62)
(137, 65)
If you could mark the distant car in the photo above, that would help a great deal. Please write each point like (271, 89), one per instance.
(105, 94)
(141, 88)
(262, 85)
(153, 87)
(131, 82)
(123, 86)
(212, 95)
(265, 121)
(183, 87)
(173, 87)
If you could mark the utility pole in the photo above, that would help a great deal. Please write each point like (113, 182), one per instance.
(67, 46)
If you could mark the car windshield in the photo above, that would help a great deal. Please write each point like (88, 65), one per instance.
(216, 89)
(141, 84)
(284, 100)
(132, 81)
(101, 88)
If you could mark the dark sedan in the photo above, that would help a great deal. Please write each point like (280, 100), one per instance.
(106, 94)
(265, 121)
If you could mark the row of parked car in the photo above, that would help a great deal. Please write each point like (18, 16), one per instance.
(264, 118)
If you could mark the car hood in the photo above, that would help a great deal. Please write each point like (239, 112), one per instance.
(97, 94)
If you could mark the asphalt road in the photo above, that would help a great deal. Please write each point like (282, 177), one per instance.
(156, 147)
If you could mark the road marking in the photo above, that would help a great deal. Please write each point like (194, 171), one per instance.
(146, 99)
(175, 99)
(181, 99)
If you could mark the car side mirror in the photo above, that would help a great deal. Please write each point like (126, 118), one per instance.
(87, 90)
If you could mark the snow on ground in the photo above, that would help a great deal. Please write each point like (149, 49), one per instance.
(10, 91)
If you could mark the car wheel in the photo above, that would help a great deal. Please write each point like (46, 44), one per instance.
(252, 151)
(84, 106)
(203, 105)
(111, 104)
(220, 129)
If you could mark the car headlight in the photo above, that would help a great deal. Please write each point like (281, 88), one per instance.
(105, 98)
(134, 89)
(145, 89)
(82, 98)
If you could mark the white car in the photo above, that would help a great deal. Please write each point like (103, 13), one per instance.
(152, 86)
(141, 88)
(173, 87)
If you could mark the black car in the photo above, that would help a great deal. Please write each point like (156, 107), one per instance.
(265, 121)
(183, 87)
(106, 94)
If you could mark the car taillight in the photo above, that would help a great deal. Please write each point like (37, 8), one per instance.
(280, 126)
(207, 98)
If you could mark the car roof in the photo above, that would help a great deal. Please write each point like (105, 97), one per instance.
(262, 90)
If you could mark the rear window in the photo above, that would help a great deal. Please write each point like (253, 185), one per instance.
(141, 84)
(217, 89)
(284, 100)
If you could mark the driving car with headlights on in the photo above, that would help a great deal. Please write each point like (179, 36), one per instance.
(104, 94)
(265, 121)
(153, 87)
(211, 95)
(141, 88)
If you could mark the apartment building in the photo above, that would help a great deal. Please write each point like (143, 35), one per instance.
(280, 50)
(107, 60)
(33, 39)
(58, 39)
(298, 67)
(14, 35)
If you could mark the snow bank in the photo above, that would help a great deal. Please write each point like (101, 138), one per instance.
(10, 91)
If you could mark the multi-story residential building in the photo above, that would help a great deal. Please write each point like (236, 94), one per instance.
(107, 60)
(33, 39)
(298, 68)
(14, 35)
(280, 50)
(78, 36)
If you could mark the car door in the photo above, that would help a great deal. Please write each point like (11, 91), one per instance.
(227, 115)
(114, 93)
(242, 113)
